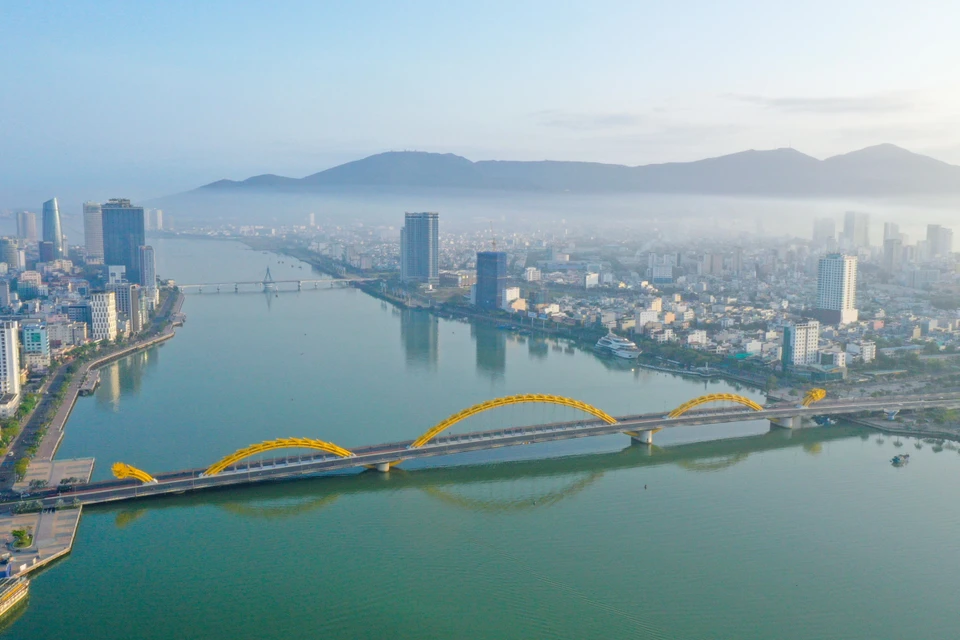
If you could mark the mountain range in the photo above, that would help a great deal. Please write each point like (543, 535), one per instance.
(879, 170)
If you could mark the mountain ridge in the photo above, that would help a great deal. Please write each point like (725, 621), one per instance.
(883, 169)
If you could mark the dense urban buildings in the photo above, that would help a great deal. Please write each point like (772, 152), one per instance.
(420, 248)
(491, 279)
(837, 289)
(123, 235)
(93, 231)
(52, 231)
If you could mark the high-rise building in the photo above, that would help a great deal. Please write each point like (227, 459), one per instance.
(939, 241)
(127, 299)
(824, 231)
(148, 276)
(123, 235)
(35, 339)
(738, 261)
(837, 289)
(10, 253)
(420, 248)
(856, 230)
(9, 359)
(52, 231)
(148, 266)
(47, 250)
(891, 230)
(800, 343)
(158, 220)
(312, 220)
(36, 346)
(103, 316)
(93, 231)
(27, 226)
(491, 279)
(892, 254)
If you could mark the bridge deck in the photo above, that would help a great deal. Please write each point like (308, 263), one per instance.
(311, 464)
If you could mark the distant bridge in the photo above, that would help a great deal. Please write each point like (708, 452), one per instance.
(262, 286)
(326, 457)
(268, 284)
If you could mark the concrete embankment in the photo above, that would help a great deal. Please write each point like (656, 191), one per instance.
(897, 429)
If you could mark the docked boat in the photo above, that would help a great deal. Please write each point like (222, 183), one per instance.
(617, 346)
(900, 460)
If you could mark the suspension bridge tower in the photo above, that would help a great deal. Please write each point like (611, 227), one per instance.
(268, 282)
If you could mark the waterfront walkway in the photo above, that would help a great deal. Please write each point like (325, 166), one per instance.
(51, 441)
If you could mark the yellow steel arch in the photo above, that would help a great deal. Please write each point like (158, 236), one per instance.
(714, 397)
(271, 445)
(508, 400)
(123, 471)
(814, 395)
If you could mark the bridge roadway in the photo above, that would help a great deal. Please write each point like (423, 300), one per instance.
(292, 467)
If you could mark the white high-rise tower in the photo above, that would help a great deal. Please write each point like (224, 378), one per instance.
(837, 289)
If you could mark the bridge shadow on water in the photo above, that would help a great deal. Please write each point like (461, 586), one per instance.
(554, 479)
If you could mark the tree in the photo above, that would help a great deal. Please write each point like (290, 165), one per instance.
(20, 468)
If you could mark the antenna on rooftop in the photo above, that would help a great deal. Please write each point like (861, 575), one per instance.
(493, 237)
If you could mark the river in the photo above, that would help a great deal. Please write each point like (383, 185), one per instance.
(776, 534)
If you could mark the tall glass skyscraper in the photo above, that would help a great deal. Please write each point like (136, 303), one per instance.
(491, 279)
(420, 248)
(52, 232)
(123, 235)
(93, 230)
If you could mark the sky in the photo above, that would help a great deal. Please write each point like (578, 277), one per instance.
(146, 99)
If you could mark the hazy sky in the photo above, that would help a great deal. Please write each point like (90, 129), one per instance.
(146, 99)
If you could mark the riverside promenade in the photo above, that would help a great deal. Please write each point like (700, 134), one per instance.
(54, 435)
(54, 529)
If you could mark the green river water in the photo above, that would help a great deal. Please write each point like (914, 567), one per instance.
(774, 534)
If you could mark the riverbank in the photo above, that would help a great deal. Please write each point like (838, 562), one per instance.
(898, 429)
(55, 431)
(55, 530)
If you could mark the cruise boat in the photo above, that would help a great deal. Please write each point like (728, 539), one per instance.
(617, 346)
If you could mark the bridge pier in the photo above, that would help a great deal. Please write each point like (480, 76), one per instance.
(642, 437)
(790, 422)
(891, 414)
(383, 467)
(299, 285)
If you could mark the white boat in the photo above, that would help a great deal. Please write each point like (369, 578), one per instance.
(617, 346)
